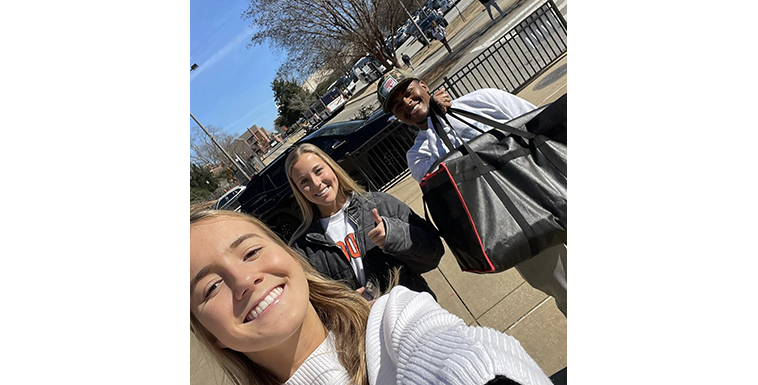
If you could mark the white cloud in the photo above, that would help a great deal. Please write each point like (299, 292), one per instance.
(247, 116)
(238, 40)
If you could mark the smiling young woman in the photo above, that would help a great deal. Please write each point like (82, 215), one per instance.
(261, 309)
(267, 317)
(353, 235)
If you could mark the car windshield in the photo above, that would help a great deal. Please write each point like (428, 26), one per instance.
(341, 128)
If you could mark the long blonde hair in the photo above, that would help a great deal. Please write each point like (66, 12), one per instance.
(347, 185)
(342, 311)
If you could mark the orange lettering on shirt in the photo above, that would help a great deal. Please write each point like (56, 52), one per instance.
(352, 246)
(344, 250)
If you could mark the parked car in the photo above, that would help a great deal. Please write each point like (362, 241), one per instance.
(400, 37)
(316, 126)
(350, 84)
(229, 201)
(441, 5)
(425, 22)
(345, 84)
(370, 67)
(268, 195)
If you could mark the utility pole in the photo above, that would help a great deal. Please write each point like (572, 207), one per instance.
(423, 35)
(192, 68)
(221, 148)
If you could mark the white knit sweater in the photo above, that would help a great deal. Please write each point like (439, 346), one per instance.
(322, 367)
(411, 340)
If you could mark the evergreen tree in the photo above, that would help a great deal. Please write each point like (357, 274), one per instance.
(202, 183)
(291, 99)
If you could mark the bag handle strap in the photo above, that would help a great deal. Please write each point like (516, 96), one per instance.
(538, 140)
(436, 114)
(454, 112)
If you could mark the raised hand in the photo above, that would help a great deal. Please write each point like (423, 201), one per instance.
(443, 99)
(377, 234)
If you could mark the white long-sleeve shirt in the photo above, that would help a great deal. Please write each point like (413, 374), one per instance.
(411, 340)
(492, 103)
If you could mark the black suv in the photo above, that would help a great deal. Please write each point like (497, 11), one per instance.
(372, 151)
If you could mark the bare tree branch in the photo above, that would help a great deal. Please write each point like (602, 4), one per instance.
(202, 149)
(326, 34)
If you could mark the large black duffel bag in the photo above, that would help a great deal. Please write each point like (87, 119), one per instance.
(500, 198)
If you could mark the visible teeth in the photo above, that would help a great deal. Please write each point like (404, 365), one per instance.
(322, 192)
(264, 304)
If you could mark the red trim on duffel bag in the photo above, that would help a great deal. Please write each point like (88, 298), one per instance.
(427, 176)
(468, 214)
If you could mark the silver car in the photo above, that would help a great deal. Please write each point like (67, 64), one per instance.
(230, 200)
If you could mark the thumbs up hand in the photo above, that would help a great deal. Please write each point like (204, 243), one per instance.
(377, 234)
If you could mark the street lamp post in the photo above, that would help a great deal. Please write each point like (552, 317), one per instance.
(221, 148)
(192, 68)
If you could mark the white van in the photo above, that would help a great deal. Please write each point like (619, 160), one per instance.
(372, 68)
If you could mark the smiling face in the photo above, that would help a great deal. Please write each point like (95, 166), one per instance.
(410, 105)
(316, 180)
(245, 289)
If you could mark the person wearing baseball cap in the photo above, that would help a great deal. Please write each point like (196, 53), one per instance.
(407, 97)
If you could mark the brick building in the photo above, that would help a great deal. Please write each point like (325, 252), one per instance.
(257, 139)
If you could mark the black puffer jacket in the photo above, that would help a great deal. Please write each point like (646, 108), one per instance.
(411, 243)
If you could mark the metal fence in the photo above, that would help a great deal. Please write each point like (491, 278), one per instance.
(517, 58)
(510, 64)
(381, 162)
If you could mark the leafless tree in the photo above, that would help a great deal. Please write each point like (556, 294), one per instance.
(202, 149)
(302, 101)
(329, 34)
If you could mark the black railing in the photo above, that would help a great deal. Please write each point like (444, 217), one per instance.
(381, 162)
(517, 58)
(510, 64)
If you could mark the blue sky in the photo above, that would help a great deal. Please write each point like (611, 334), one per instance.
(231, 88)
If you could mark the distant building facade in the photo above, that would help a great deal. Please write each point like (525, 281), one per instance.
(257, 139)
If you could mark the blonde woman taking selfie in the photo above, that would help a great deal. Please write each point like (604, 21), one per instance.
(267, 317)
